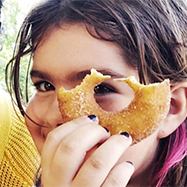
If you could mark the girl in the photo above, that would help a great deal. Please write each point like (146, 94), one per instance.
(66, 38)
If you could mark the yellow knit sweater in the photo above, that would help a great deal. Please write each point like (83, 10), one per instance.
(19, 159)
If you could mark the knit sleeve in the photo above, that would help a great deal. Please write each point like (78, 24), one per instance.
(19, 158)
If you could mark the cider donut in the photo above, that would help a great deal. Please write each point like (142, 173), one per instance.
(140, 119)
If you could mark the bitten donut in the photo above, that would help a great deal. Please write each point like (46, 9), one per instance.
(140, 119)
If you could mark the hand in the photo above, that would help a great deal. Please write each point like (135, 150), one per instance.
(82, 153)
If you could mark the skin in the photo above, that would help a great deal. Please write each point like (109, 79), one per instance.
(80, 152)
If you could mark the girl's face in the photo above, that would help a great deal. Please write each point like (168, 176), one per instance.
(63, 59)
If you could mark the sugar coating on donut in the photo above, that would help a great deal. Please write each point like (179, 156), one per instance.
(140, 118)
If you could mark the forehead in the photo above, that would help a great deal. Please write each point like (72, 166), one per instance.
(72, 48)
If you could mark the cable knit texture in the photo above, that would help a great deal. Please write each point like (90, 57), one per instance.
(19, 158)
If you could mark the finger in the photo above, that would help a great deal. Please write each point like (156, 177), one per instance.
(72, 150)
(100, 163)
(119, 175)
(55, 137)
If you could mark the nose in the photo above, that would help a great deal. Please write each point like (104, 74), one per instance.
(53, 116)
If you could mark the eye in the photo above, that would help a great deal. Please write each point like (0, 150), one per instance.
(44, 86)
(103, 89)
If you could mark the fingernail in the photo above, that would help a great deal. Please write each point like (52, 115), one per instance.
(106, 129)
(93, 117)
(126, 134)
(130, 163)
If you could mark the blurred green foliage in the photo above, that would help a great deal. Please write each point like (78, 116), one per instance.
(12, 16)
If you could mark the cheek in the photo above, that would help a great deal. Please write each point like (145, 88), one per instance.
(122, 101)
(115, 102)
(35, 112)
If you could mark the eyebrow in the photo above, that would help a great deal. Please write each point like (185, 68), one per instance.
(82, 74)
(40, 74)
(75, 75)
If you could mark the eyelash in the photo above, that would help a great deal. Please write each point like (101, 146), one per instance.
(103, 89)
(49, 87)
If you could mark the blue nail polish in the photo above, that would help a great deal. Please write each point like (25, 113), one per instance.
(126, 134)
(93, 117)
(130, 163)
(106, 129)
